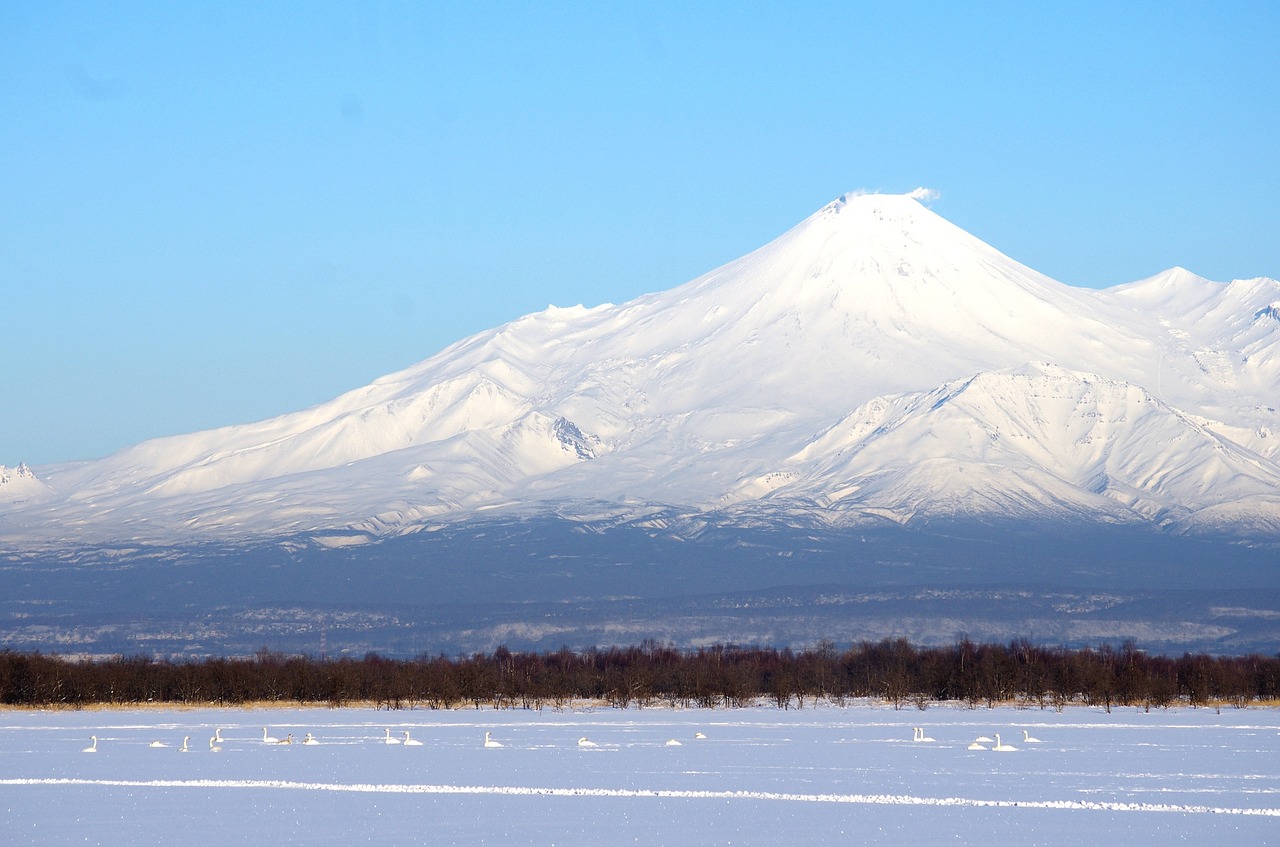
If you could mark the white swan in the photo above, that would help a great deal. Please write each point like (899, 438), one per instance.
(1027, 739)
(310, 740)
(985, 739)
(157, 744)
(389, 739)
(976, 746)
(217, 735)
(411, 742)
(700, 736)
(92, 748)
(585, 742)
(489, 742)
(1003, 748)
(184, 748)
(920, 736)
(673, 743)
(269, 739)
(213, 747)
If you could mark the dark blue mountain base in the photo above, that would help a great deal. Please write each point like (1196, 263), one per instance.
(542, 584)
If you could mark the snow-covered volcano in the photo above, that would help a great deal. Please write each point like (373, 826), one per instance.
(873, 363)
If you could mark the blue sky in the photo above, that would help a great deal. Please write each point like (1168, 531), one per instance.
(212, 213)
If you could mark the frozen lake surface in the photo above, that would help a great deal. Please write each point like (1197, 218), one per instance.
(762, 776)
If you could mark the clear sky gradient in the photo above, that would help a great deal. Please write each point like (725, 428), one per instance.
(212, 213)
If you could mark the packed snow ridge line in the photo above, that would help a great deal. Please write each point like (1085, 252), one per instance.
(685, 794)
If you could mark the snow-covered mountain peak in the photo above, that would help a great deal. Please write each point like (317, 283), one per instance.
(1179, 292)
(873, 204)
(1177, 277)
(878, 203)
(882, 257)
(1174, 286)
(880, 218)
(874, 356)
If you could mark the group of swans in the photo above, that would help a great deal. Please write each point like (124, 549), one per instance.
(216, 740)
(157, 744)
(213, 742)
(981, 741)
(406, 741)
(670, 742)
(1000, 746)
(310, 741)
(587, 742)
(271, 739)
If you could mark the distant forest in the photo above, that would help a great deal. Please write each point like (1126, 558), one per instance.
(651, 674)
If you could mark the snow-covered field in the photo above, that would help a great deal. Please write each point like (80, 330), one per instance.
(827, 775)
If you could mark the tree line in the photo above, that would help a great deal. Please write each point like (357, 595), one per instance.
(649, 674)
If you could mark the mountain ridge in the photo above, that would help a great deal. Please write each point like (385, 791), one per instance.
(701, 398)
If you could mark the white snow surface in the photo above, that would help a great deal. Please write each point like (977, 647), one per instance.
(762, 776)
(875, 361)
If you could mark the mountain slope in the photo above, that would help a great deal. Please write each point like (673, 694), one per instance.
(1219, 348)
(1037, 439)
(735, 391)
